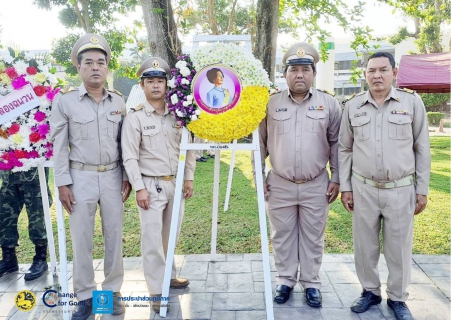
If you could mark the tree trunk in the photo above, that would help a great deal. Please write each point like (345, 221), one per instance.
(161, 30)
(266, 36)
(211, 16)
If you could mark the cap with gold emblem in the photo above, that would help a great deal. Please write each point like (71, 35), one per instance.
(300, 53)
(154, 67)
(87, 42)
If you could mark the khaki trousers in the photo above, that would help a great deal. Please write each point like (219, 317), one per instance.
(155, 228)
(91, 189)
(200, 153)
(297, 215)
(395, 207)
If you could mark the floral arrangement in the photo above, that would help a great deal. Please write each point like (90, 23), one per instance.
(24, 142)
(235, 123)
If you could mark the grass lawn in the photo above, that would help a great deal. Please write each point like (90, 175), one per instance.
(238, 230)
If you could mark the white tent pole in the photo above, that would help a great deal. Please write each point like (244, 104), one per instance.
(229, 181)
(214, 222)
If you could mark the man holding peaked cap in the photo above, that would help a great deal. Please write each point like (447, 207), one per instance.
(85, 129)
(151, 147)
(300, 134)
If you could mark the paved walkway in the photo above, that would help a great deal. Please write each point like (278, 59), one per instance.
(232, 289)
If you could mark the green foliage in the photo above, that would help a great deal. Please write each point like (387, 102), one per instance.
(435, 117)
(431, 100)
(123, 84)
(428, 16)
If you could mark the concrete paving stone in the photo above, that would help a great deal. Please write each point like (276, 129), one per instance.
(21, 284)
(258, 265)
(426, 292)
(430, 259)
(196, 286)
(436, 270)
(255, 257)
(338, 314)
(258, 276)
(173, 313)
(137, 313)
(37, 313)
(137, 274)
(296, 300)
(238, 301)
(443, 283)
(331, 300)
(338, 258)
(204, 257)
(418, 276)
(194, 270)
(347, 293)
(99, 276)
(259, 286)
(222, 315)
(131, 263)
(230, 267)
(241, 282)
(216, 282)
(334, 266)
(337, 277)
(373, 313)
(134, 286)
(304, 313)
(196, 306)
(428, 310)
(234, 257)
(98, 264)
(250, 315)
(7, 306)
(112, 317)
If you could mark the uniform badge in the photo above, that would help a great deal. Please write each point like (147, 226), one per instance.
(316, 108)
(149, 127)
(176, 126)
(300, 53)
(155, 64)
(404, 112)
(281, 109)
(94, 40)
(115, 112)
(361, 114)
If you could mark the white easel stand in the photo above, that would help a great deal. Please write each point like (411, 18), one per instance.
(184, 147)
(61, 237)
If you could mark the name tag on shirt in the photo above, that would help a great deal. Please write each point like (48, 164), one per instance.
(115, 112)
(361, 114)
(281, 109)
(149, 127)
(176, 126)
(316, 108)
(404, 112)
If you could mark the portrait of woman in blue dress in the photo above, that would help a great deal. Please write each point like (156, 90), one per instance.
(217, 97)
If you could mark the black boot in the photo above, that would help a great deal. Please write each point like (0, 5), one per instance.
(39, 265)
(9, 261)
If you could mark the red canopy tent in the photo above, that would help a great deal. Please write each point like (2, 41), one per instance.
(425, 73)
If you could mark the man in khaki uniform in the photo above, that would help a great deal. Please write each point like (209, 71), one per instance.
(151, 147)
(85, 129)
(385, 162)
(300, 135)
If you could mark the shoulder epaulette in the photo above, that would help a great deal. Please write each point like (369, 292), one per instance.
(406, 90)
(115, 91)
(275, 92)
(327, 91)
(67, 89)
(139, 107)
(346, 100)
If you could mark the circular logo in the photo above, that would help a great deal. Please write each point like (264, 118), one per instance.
(25, 300)
(102, 299)
(94, 40)
(217, 88)
(300, 53)
(50, 298)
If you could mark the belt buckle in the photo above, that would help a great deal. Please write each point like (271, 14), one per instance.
(101, 168)
(300, 181)
(167, 178)
(380, 185)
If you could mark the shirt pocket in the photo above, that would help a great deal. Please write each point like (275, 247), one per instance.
(82, 127)
(361, 127)
(399, 127)
(282, 122)
(313, 120)
(113, 125)
(150, 138)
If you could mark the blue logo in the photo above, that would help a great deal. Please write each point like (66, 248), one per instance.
(50, 298)
(102, 302)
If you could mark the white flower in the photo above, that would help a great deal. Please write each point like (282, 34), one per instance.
(185, 71)
(180, 64)
(186, 103)
(185, 81)
(189, 97)
(193, 117)
(179, 113)
(7, 57)
(21, 67)
(174, 98)
(52, 79)
(171, 83)
(29, 55)
(197, 112)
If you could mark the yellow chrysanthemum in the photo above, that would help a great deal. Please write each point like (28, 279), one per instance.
(40, 78)
(17, 138)
(236, 123)
(4, 78)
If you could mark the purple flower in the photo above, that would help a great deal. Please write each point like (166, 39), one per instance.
(39, 116)
(19, 82)
(43, 129)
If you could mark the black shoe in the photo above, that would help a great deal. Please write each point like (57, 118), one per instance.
(118, 304)
(83, 310)
(313, 297)
(39, 265)
(400, 309)
(212, 156)
(363, 303)
(201, 159)
(9, 261)
(282, 293)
